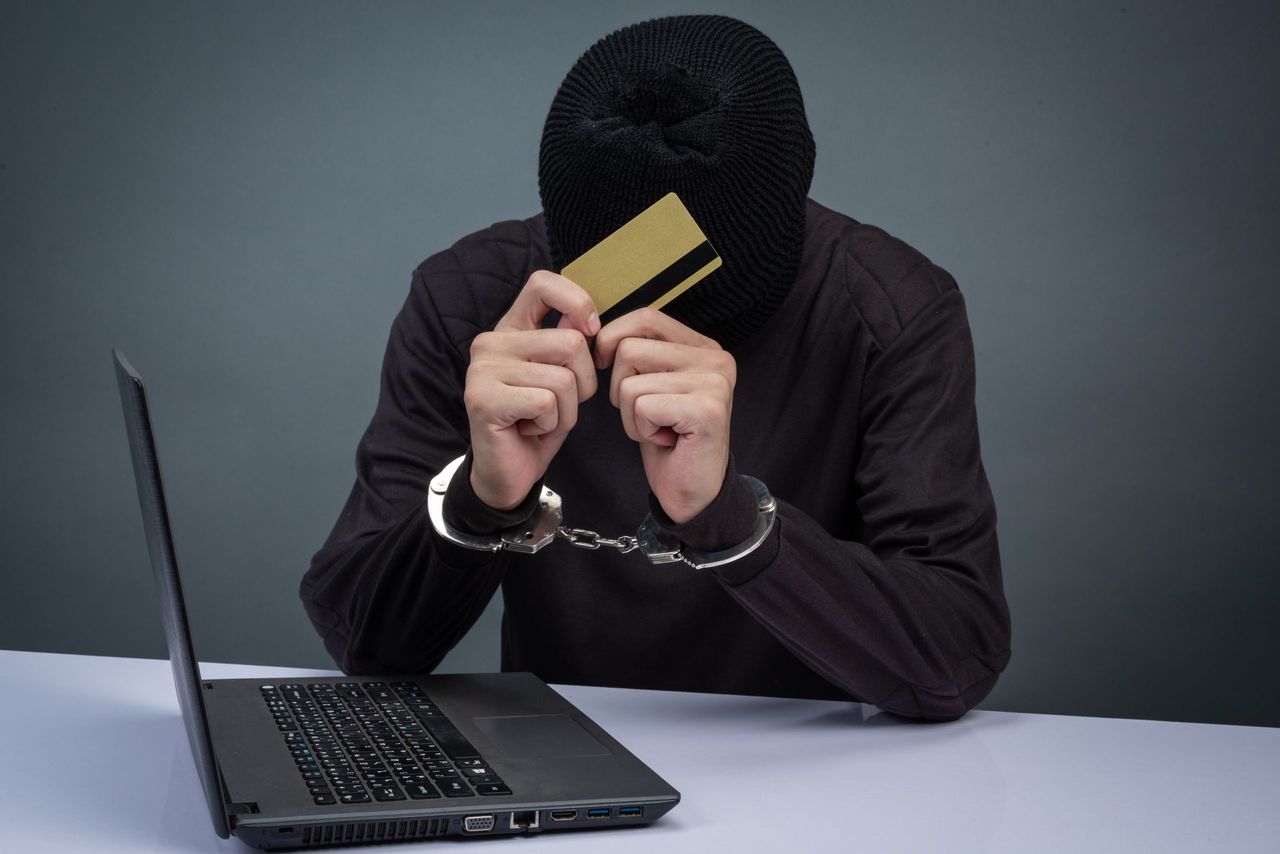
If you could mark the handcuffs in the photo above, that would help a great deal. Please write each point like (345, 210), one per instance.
(544, 526)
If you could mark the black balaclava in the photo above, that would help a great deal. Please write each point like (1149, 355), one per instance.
(702, 105)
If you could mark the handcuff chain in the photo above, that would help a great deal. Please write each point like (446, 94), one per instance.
(584, 539)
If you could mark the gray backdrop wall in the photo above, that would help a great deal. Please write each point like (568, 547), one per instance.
(236, 194)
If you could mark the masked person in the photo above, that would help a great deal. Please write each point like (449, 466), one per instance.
(826, 359)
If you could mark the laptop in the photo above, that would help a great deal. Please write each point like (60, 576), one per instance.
(312, 761)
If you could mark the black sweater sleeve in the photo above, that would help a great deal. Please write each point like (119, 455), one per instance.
(385, 592)
(912, 615)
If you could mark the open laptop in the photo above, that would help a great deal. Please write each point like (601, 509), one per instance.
(313, 761)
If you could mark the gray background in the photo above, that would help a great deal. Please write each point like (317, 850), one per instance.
(236, 194)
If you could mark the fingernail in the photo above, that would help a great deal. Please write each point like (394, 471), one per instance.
(593, 324)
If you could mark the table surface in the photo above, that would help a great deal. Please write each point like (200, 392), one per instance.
(95, 759)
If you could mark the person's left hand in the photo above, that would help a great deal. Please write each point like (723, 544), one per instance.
(674, 388)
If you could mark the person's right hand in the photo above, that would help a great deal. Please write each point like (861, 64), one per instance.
(524, 386)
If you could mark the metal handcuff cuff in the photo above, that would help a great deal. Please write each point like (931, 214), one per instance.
(544, 527)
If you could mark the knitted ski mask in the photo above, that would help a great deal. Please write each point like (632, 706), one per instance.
(702, 105)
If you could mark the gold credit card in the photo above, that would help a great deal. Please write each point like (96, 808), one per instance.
(651, 260)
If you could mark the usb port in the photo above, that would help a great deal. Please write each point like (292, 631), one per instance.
(598, 812)
(630, 812)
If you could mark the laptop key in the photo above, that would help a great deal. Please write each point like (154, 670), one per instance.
(355, 798)
(489, 780)
(420, 791)
(324, 799)
(345, 780)
(455, 789)
(388, 793)
(493, 789)
(450, 739)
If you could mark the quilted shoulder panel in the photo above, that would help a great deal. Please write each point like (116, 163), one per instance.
(473, 282)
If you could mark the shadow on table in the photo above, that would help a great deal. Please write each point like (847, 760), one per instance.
(678, 707)
(869, 716)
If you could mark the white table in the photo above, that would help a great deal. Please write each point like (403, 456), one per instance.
(94, 758)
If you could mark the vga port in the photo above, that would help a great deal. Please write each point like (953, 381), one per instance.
(477, 823)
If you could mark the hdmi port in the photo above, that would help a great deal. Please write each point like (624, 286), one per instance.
(564, 815)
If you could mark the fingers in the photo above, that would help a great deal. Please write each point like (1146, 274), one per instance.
(559, 381)
(539, 399)
(715, 413)
(635, 356)
(662, 418)
(546, 292)
(564, 348)
(645, 323)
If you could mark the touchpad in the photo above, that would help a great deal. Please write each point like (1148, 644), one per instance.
(529, 736)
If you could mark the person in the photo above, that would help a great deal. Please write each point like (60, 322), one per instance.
(825, 358)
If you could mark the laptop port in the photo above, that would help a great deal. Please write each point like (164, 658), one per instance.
(630, 812)
(477, 823)
(564, 815)
(527, 820)
(598, 812)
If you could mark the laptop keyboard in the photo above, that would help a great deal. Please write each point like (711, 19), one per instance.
(356, 742)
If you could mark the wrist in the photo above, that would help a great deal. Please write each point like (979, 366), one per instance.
(728, 519)
(696, 488)
(466, 509)
(529, 534)
(491, 491)
(660, 546)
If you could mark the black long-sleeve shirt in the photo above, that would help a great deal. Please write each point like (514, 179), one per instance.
(880, 581)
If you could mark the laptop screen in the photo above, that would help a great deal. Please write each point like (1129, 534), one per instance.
(164, 567)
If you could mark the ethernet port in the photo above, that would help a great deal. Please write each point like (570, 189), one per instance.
(524, 820)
